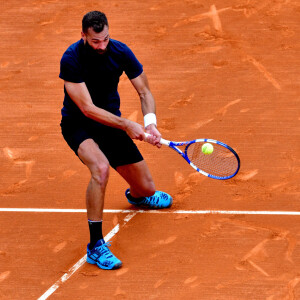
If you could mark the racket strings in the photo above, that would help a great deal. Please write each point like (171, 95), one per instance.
(221, 162)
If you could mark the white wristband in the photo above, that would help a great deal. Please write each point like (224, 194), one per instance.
(149, 119)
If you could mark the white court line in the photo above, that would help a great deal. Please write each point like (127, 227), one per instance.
(72, 270)
(198, 212)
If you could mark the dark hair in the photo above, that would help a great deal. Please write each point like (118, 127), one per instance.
(94, 19)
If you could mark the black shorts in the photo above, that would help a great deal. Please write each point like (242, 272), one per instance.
(116, 145)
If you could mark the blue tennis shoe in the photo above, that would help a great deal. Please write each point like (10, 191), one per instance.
(156, 201)
(102, 256)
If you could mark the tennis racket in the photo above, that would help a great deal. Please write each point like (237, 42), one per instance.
(223, 163)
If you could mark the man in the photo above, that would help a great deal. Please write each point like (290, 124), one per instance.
(94, 129)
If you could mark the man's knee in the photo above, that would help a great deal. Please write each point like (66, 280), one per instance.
(95, 160)
(100, 172)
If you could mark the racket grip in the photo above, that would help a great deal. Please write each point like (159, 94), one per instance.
(162, 141)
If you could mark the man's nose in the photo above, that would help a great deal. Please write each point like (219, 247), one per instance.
(102, 46)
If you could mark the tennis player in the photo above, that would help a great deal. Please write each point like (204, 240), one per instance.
(94, 129)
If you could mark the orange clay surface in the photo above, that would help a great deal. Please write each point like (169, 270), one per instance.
(226, 70)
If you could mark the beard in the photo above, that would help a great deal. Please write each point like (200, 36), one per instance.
(100, 51)
(91, 51)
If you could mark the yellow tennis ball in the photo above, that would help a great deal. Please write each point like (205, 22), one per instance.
(207, 148)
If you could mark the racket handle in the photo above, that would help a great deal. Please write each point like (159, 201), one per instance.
(162, 141)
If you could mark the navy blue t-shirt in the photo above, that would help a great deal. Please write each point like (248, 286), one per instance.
(100, 72)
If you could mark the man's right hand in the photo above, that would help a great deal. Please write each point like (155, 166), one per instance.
(134, 130)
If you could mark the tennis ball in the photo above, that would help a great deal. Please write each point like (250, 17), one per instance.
(207, 148)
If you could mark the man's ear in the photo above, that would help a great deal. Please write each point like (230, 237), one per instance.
(83, 36)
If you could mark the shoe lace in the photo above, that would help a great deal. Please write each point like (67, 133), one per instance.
(151, 200)
(103, 249)
(155, 198)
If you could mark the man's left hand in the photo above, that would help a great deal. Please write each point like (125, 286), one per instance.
(155, 135)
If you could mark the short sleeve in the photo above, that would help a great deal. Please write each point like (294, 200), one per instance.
(133, 68)
(70, 69)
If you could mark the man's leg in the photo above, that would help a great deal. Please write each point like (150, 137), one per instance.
(98, 165)
(139, 179)
(142, 189)
(97, 251)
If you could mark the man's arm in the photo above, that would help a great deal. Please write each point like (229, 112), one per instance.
(141, 85)
(81, 97)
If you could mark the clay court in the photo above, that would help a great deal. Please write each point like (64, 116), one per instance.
(226, 70)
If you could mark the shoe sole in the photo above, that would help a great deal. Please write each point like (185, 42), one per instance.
(149, 207)
(116, 266)
(92, 262)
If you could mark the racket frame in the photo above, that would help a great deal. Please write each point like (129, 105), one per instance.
(173, 145)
